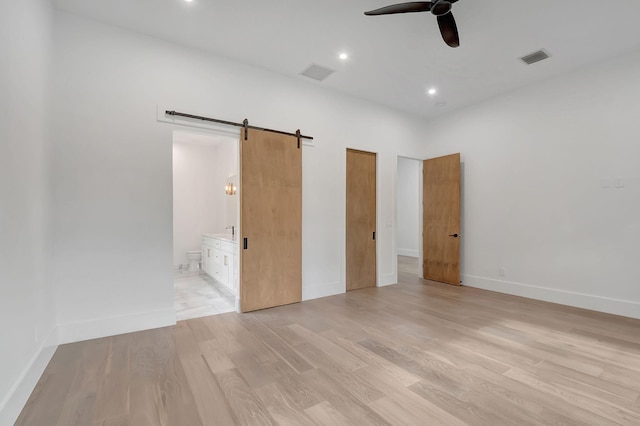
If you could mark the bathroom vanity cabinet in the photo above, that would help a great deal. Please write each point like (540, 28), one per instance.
(218, 258)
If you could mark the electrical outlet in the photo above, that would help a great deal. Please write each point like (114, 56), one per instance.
(502, 272)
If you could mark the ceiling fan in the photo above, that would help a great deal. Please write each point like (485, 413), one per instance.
(439, 8)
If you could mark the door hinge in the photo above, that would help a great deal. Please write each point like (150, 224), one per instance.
(245, 243)
(298, 136)
(374, 235)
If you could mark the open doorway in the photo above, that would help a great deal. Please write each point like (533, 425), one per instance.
(205, 223)
(409, 226)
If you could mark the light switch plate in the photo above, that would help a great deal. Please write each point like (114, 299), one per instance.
(619, 181)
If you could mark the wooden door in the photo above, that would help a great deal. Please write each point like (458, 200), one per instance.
(441, 219)
(270, 220)
(361, 220)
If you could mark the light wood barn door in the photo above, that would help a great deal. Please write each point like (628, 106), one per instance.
(361, 220)
(270, 220)
(441, 219)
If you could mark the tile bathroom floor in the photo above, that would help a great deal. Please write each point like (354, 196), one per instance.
(198, 295)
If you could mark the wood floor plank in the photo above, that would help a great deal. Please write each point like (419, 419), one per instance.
(223, 338)
(256, 374)
(246, 407)
(356, 387)
(327, 415)
(283, 409)
(298, 390)
(112, 393)
(465, 410)
(217, 359)
(339, 398)
(405, 377)
(622, 376)
(456, 356)
(281, 348)
(613, 413)
(409, 402)
(200, 329)
(589, 381)
(341, 356)
(209, 399)
(122, 420)
(146, 407)
(514, 399)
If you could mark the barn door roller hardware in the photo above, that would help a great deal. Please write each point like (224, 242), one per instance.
(244, 124)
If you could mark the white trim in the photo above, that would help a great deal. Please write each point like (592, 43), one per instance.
(112, 326)
(12, 405)
(388, 279)
(408, 252)
(316, 291)
(579, 300)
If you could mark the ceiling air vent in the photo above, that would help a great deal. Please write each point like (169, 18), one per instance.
(317, 72)
(538, 56)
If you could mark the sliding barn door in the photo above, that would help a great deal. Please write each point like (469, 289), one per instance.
(441, 219)
(270, 220)
(361, 220)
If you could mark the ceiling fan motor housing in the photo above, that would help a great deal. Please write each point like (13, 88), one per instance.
(441, 7)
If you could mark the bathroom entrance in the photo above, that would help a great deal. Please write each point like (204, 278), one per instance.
(205, 221)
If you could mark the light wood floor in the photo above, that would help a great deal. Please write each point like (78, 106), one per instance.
(417, 353)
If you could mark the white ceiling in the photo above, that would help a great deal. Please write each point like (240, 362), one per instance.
(393, 59)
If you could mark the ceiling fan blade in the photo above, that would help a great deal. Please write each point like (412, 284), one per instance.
(414, 6)
(449, 30)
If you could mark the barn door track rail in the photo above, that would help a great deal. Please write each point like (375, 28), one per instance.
(245, 125)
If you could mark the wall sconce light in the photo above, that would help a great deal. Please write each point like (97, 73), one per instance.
(230, 189)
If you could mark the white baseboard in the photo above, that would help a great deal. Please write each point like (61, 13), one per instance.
(12, 405)
(316, 291)
(408, 252)
(579, 300)
(388, 279)
(111, 326)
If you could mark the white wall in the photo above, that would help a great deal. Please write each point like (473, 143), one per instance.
(408, 207)
(200, 173)
(112, 168)
(534, 160)
(227, 166)
(26, 302)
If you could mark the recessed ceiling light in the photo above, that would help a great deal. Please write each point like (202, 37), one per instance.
(343, 56)
(188, 1)
(432, 91)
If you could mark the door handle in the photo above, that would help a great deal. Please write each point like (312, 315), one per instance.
(455, 235)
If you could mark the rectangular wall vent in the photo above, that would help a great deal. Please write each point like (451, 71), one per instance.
(317, 72)
(538, 56)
